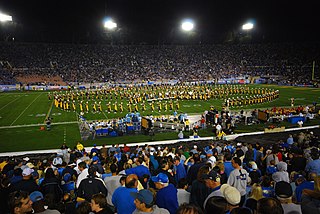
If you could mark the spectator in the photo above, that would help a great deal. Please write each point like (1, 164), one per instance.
(284, 192)
(269, 205)
(255, 195)
(112, 182)
(217, 203)
(310, 202)
(199, 190)
(232, 195)
(144, 202)
(27, 183)
(239, 178)
(179, 170)
(82, 166)
(212, 181)
(91, 185)
(183, 195)
(282, 174)
(167, 193)
(121, 197)
(99, 204)
(38, 204)
(20, 203)
(189, 208)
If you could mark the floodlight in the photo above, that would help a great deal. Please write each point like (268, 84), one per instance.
(5, 18)
(247, 26)
(109, 24)
(187, 25)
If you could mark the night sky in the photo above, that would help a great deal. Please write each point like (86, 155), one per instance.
(158, 21)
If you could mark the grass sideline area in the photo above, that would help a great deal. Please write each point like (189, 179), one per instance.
(23, 113)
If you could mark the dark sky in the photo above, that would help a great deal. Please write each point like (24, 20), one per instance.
(158, 21)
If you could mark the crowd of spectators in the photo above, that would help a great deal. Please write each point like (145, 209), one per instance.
(105, 63)
(224, 176)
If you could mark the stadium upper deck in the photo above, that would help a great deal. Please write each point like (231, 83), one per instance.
(104, 63)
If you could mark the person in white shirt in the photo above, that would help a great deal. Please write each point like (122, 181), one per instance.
(82, 166)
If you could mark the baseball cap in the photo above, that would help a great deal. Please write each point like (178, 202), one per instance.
(209, 152)
(161, 177)
(26, 158)
(30, 165)
(231, 194)
(27, 171)
(202, 156)
(253, 165)
(95, 158)
(212, 160)
(36, 196)
(283, 189)
(144, 196)
(212, 175)
(67, 177)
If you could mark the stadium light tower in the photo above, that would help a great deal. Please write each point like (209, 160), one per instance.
(110, 24)
(187, 25)
(5, 17)
(248, 26)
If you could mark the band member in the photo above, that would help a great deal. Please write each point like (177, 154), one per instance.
(80, 106)
(87, 107)
(121, 107)
(99, 107)
(74, 106)
(292, 101)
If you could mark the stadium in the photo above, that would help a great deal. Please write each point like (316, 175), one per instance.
(189, 114)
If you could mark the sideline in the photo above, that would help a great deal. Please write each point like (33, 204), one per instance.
(228, 137)
(38, 124)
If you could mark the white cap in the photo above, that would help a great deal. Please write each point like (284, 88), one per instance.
(26, 158)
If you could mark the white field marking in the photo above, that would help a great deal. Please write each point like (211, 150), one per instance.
(25, 110)
(105, 115)
(65, 135)
(40, 115)
(56, 114)
(9, 103)
(39, 124)
(49, 111)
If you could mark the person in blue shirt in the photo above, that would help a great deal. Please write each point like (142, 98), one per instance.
(302, 183)
(271, 168)
(94, 150)
(314, 165)
(167, 195)
(121, 197)
(179, 170)
(140, 170)
(227, 163)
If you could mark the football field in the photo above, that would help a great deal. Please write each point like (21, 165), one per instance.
(22, 114)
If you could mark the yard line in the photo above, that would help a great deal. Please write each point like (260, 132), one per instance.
(25, 110)
(49, 112)
(104, 114)
(9, 103)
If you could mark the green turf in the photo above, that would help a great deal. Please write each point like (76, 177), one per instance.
(18, 109)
